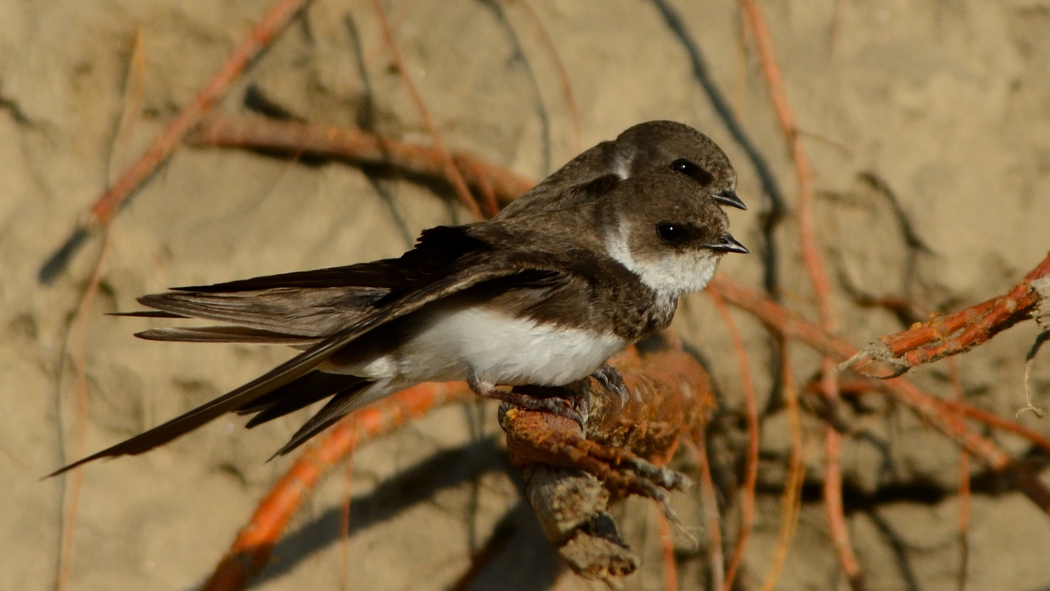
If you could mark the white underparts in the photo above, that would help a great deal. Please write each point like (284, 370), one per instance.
(457, 343)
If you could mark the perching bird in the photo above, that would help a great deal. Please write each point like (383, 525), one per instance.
(590, 261)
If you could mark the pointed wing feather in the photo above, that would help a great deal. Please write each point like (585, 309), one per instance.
(382, 274)
(316, 312)
(301, 393)
(146, 314)
(330, 413)
(314, 303)
(223, 334)
(471, 271)
(436, 248)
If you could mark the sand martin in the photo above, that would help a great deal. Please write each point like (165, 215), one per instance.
(639, 149)
(542, 295)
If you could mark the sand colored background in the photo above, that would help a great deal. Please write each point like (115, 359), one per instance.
(947, 100)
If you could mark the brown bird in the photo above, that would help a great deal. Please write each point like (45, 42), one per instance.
(590, 261)
(638, 149)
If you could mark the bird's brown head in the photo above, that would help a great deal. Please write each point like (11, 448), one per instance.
(668, 144)
(664, 226)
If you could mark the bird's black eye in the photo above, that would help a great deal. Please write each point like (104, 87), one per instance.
(670, 233)
(693, 171)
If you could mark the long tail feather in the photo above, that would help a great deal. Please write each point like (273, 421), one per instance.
(224, 334)
(284, 373)
(337, 408)
(147, 314)
(316, 312)
(300, 394)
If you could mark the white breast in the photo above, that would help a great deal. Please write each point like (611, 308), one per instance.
(453, 344)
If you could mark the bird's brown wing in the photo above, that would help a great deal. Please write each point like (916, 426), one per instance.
(460, 271)
(306, 307)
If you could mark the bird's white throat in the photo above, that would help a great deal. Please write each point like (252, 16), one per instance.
(670, 274)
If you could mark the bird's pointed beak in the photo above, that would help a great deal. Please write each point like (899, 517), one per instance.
(728, 197)
(728, 244)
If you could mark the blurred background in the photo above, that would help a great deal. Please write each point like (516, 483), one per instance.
(928, 126)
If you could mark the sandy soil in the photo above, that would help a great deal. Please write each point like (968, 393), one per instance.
(947, 100)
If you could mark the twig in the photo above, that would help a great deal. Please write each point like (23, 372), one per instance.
(1029, 360)
(747, 495)
(344, 515)
(791, 502)
(102, 211)
(964, 487)
(712, 518)
(76, 477)
(932, 411)
(559, 67)
(451, 172)
(499, 539)
(667, 551)
(252, 547)
(818, 277)
(972, 412)
(838, 146)
(998, 422)
(670, 563)
(803, 168)
(356, 145)
(832, 492)
(133, 89)
(784, 322)
(951, 334)
(775, 214)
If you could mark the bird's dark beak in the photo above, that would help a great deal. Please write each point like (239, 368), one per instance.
(728, 244)
(728, 197)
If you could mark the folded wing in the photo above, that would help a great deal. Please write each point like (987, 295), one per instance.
(445, 262)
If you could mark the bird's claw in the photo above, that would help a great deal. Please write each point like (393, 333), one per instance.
(553, 405)
(612, 381)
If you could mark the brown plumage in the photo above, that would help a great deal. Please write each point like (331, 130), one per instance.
(542, 294)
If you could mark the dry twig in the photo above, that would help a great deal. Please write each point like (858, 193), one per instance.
(78, 343)
(952, 334)
(559, 67)
(452, 174)
(253, 545)
(791, 502)
(964, 486)
(934, 412)
(77, 335)
(818, 277)
(102, 211)
(357, 146)
(747, 494)
(671, 397)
